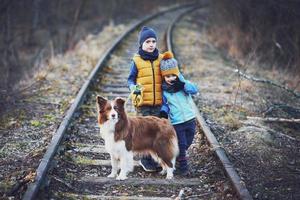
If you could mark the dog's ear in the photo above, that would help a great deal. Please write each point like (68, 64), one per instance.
(101, 101)
(120, 101)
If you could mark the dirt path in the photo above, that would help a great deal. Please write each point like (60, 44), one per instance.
(82, 169)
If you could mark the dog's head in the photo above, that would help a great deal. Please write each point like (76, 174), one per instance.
(110, 110)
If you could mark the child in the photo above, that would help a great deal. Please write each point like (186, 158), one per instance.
(145, 73)
(177, 104)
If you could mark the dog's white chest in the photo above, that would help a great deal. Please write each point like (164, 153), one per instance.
(118, 148)
(113, 147)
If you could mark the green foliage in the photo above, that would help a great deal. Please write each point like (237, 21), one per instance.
(83, 160)
(49, 118)
(36, 123)
(64, 105)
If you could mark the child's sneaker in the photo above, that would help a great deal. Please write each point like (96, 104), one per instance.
(181, 166)
(182, 172)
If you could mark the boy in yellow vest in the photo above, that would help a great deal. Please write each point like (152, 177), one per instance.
(145, 80)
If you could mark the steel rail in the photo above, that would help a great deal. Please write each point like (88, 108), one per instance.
(235, 179)
(52, 148)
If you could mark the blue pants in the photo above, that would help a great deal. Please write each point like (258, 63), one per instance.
(185, 134)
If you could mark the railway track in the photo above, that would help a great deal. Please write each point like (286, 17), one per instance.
(79, 164)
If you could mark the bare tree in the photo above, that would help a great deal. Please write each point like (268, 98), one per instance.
(35, 19)
(72, 31)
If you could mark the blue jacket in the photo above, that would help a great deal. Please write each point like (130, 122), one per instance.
(178, 105)
(131, 81)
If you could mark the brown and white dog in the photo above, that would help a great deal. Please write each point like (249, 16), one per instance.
(124, 135)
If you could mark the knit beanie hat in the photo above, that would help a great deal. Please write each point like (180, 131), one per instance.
(169, 65)
(146, 33)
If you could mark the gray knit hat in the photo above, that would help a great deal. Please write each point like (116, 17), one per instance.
(169, 65)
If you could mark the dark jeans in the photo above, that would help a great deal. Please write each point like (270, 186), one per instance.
(146, 111)
(185, 134)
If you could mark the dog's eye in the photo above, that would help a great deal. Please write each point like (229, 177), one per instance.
(116, 107)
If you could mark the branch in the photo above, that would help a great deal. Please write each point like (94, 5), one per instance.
(246, 76)
(286, 108)
(275, 119)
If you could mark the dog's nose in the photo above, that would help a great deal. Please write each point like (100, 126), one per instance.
(113, 115)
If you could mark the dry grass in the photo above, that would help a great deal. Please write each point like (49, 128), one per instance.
(232, 121)
(228, 38)
(244, 85)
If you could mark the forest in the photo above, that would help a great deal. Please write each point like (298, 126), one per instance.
(34, 30)
(268, 30)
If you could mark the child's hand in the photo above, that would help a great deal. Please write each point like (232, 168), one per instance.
(181, 78)
(136, 89)
(137, 92)
(178, 84)
(163, 114)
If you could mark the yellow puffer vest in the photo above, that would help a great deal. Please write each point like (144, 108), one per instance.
(149, 76)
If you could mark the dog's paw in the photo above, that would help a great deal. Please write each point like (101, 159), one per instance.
(112, 175)
(163, 172)
(169, 176)
(121, 178)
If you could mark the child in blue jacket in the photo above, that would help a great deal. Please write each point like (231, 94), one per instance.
(177, 105)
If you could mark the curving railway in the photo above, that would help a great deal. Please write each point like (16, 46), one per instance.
(76, 165)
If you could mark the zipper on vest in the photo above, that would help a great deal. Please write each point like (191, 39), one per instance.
(153, 75)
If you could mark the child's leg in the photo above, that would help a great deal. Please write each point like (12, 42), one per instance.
(190, 132)
(182, 143)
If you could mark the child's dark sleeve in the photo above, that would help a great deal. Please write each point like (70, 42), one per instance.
(131, 80)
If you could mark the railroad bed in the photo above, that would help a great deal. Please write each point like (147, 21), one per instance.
(80, 168)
